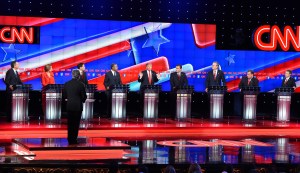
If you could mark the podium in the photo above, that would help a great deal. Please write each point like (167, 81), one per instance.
(250, 100)
(119, 101)
(183, 102)
(284, 96)
(151, 99)
(88, 105)
(20, 101)
(53, 94)
(216, 95)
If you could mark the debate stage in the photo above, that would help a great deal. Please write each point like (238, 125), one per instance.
(109, 146)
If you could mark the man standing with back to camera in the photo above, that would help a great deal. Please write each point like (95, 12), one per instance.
(75, 94)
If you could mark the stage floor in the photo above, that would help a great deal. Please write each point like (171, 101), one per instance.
(166, 141)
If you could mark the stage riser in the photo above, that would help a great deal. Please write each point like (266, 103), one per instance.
(182, 168)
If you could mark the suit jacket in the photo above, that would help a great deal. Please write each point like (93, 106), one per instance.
(145, 81)
(74, 91)
(111, 80)
(47, 80)
(244, 82)
(83, 78)
(11, 78)
(177, 82)
(210, 81)
(290, 83)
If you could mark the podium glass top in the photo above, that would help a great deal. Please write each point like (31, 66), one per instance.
(251, 88)
(284, 89)
(120, 87)
(217, 88)
(22, 88)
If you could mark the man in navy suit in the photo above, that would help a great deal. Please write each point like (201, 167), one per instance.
(288, 81)
(215, 77)
(75, 94)
(12, 79)
(178, 79)
(111, 78)
(249, 80)
(148, 76)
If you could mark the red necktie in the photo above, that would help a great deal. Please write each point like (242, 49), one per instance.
(178, 76)
(215, 75)
(249, 80)
(149, 77)
(285, 81)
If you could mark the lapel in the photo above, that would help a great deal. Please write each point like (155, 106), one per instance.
(16, 74)
(179, 79)
(284, 83)
(212, 74)
(147, 74)
(83, 75)
(112, 74)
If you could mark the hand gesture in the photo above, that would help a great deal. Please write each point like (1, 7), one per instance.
(158, 75)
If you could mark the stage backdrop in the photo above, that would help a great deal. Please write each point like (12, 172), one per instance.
(66, 42)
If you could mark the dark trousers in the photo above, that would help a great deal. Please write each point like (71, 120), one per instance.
(73, 125)
(44, 102)
(108, 105)
(8, 105)
(173, 103)
(141, 106)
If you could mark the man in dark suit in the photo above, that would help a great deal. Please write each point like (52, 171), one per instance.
(148, 76)
(111, 78)
(215, 77)
(12, 79)
(178, 78)
(83, 77)
(288, 81)
(249, 80)
(75, 94)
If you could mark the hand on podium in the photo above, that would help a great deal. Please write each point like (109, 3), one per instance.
(206, 89)
(107, 88)
(11, 87)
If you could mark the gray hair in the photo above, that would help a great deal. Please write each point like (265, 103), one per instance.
(216, 62)
(75, 74)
